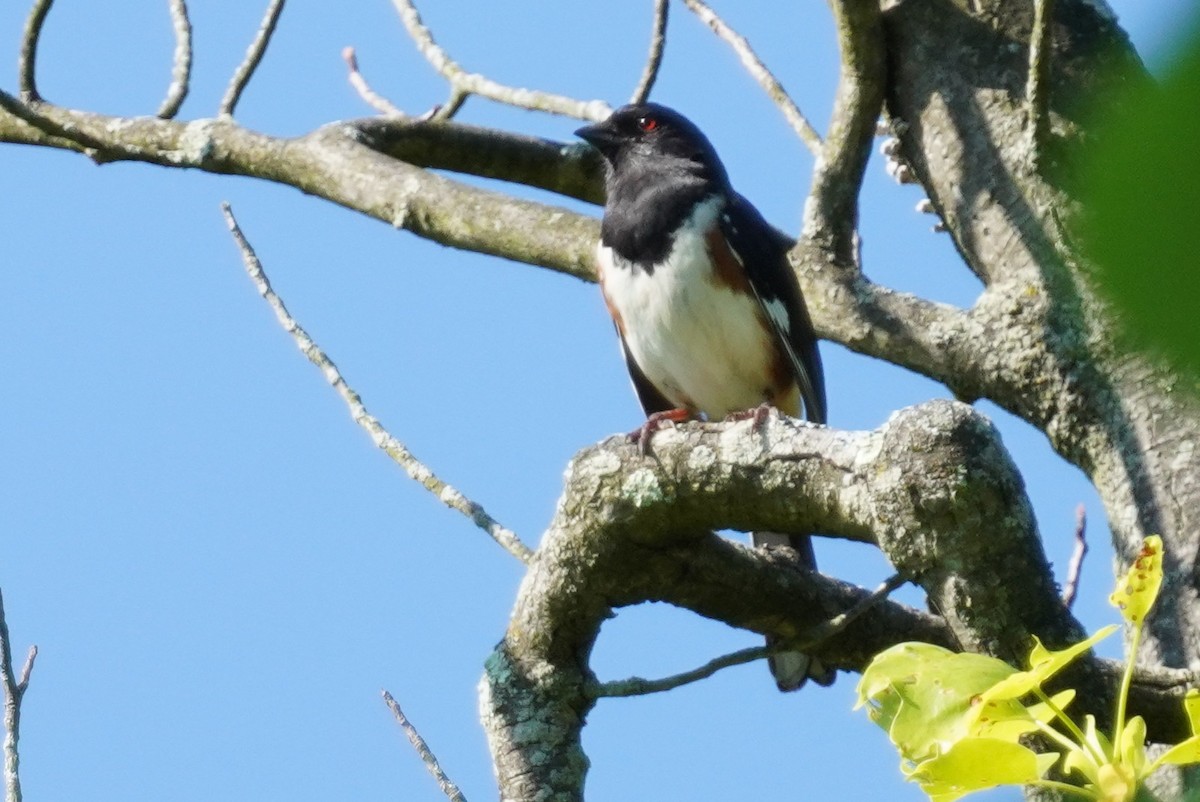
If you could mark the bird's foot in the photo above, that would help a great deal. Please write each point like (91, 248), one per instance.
(641, 435)
(759, 414)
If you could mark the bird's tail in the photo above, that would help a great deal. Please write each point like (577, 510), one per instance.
(793, 669)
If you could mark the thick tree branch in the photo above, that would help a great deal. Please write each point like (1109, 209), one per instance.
(1119, 416)
(934, 484)
(331, 163)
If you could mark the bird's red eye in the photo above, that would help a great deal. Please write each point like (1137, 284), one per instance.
(647, 124)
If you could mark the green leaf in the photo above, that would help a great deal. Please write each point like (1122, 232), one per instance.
(1191, 706)
(1141, 190)
(1043, 664)
(927, 697)
(974, 764)
(1137, 590)
(1096, 739)
(1183, 753)
(1132, 749)
(1082, 762)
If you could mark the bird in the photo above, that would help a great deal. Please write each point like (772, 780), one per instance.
(709, 314)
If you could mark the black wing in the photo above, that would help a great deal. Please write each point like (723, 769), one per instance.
(763, 253)
(651, 399)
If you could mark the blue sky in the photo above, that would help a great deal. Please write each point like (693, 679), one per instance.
(222, 573)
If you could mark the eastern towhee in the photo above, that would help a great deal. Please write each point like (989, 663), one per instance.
(709, 313)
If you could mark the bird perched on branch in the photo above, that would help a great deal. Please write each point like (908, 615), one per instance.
(709, 313)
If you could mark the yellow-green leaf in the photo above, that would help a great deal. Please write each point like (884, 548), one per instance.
(926, 697)
(1043, 664)
(1132, 749)
(1100, 745)
(1183, 753)
(973, 764)
(1137, 590)
(1191, 706)
(1081, 761)
(1045, 713)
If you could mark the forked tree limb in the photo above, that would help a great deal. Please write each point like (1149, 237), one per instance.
(934, 483)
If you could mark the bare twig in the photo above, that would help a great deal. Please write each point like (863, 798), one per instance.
(254, 54)
(637, 686)
(448, 787)
(754, 65)
(476, 84)
(1037, 86)
(658, 40)
(842, 620)
(1075, 567)
(383, 439)
(372, 98)
(14, 692)
(445, 111)
(181, 69)
(27, 58)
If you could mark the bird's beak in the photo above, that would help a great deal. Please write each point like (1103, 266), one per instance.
(600, 136)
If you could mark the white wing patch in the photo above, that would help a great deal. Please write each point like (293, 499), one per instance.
(779, 314)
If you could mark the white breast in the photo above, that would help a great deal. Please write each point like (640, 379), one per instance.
(702, 344)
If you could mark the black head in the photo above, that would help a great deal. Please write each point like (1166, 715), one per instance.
(647, 136)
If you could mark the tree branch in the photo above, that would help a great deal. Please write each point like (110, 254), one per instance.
(658, 41)
(636, 686)
(622, 536)
(369, 95)
(245, 71)
(934, 484)
(27, 57)
(427, 757)
(1037, 84)
(463, 82)
(14, 693)
(1075, 567)
(831, 211)
(181, 68)
(759, 72)
(383, 439)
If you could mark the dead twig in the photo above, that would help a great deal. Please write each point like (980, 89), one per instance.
(382, 438)
(470, 83)
(14, 693)
(245, 71)
(369, 95)
(759, 72)
(448, 787)
(658, 41)
(1075, 567)
(181, 67)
